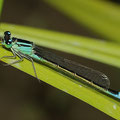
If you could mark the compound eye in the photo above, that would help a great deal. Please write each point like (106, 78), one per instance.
(8, 42)
(7, 33)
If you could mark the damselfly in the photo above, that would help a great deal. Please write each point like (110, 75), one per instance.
(26, 49)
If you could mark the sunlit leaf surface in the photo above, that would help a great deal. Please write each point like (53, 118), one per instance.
(72, 44)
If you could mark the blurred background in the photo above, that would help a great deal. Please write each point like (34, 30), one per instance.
(21, 95)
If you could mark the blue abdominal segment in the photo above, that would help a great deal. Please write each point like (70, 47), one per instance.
(114, 95)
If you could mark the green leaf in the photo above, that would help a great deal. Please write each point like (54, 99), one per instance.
(101, 16)
(1, 5)
(102, 51)
(70, 85)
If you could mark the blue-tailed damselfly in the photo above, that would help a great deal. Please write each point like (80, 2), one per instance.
(26, 49)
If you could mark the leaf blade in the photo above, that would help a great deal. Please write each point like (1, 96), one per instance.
(105, 52)
(82, 91)
(100, 16)
(1, 6)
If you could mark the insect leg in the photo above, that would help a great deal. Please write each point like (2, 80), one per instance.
(14, 55)
(29, 58)
(33, 67)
